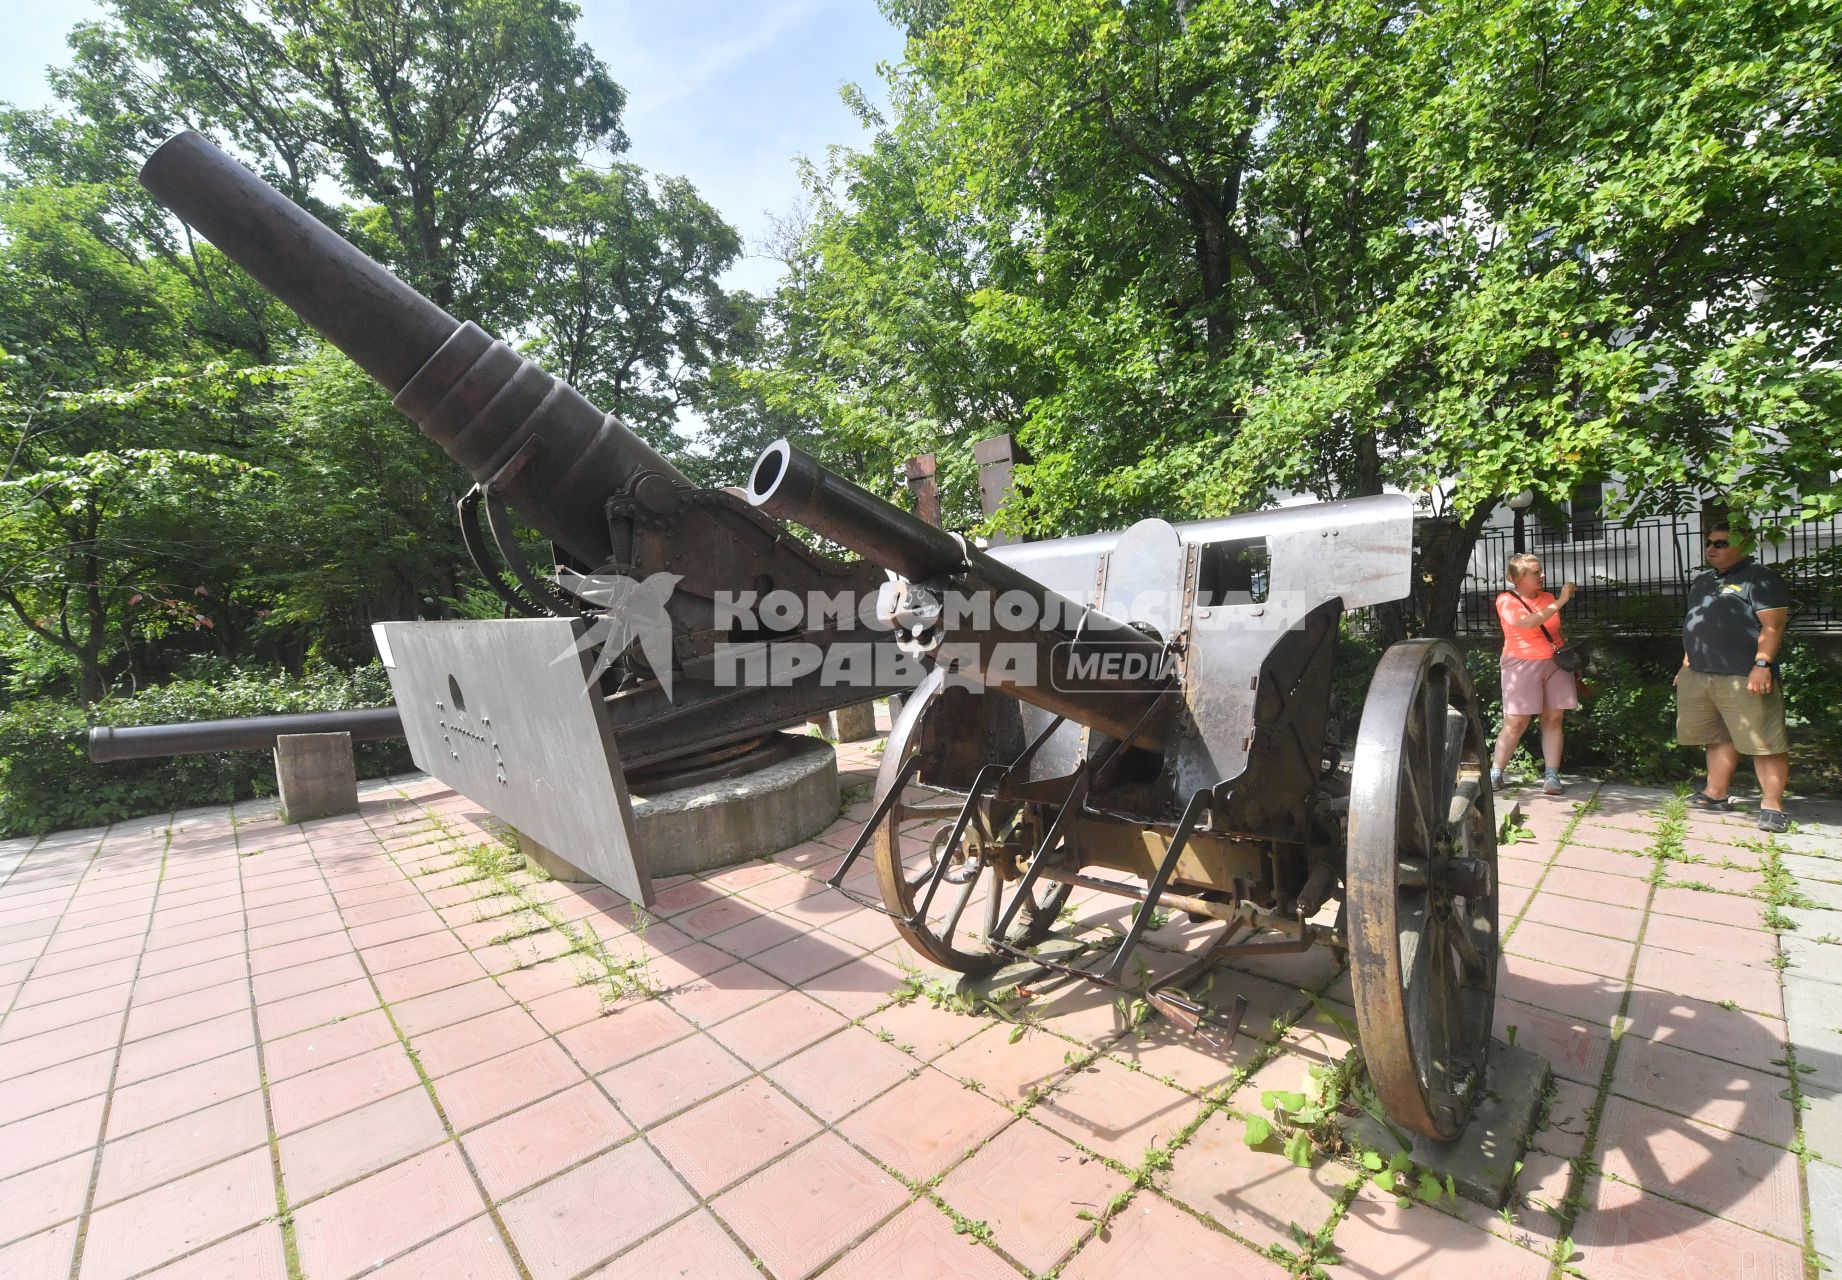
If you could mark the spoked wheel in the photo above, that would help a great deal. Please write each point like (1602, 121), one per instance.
(1421, 889)
(909, 845)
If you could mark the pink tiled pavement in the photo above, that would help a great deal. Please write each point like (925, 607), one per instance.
(259, 1050)
(1625, 1233)
(1029, 1186)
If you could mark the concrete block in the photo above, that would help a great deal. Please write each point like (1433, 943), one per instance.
(1826, 1210)
(1810, 866)
(726, 820)
(1809, 958)
(315, 776)
(1827, 895)
(1823, 1122)
(719, 823)
(1482, 1160)
(856, 723)
(1813, 1021)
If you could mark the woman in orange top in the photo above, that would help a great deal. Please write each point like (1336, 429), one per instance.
(1533, 684)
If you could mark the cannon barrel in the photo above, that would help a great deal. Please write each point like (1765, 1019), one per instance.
(792, 485)
(482, 402)
(1058, 647)
(249, 733)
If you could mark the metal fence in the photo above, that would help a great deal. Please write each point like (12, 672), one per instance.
(1634, 577)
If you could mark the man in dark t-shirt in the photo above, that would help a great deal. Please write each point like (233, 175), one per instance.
(1727, 692)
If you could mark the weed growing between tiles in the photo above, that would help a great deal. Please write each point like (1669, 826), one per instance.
(1306, 1118)
(498, 862)
(1011, 1004)
(1665, 848)
(1512, 833)
(1302, 1124)
(1779, 888)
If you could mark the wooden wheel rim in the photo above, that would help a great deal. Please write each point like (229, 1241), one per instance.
(900, 895)
(1421, 889)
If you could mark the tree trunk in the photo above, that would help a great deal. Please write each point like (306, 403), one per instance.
(1442, 555)
(90, 684)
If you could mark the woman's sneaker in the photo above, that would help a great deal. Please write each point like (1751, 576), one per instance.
(1702, 800)
(1551, 783)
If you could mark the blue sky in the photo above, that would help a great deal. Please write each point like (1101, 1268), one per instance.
(723, 92)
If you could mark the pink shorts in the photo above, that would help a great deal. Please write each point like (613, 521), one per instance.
(1534, 685)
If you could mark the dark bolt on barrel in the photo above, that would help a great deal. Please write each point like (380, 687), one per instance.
(250, 733)
(473, 395)
(791, 485)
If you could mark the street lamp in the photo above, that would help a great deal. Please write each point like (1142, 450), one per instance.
(1520, 504)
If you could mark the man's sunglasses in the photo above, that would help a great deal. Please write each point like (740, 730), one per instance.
(1720, 544)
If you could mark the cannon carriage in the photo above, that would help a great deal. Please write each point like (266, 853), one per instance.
(1141, 714)
(1202, 782)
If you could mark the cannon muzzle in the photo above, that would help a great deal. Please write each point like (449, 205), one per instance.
(249, 733)
(791, 485)
(552, 454)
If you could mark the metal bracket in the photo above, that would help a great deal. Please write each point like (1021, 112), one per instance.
(467, 511)
(877, 816)
(498, 519)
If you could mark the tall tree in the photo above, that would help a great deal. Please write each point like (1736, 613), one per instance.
(621, 283)
(1328, 245)
(457, 127)
(435, 115)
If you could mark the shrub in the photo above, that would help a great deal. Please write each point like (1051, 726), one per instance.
(47, 780)
(1626, 728)
(1812, 695)
(1357, 654)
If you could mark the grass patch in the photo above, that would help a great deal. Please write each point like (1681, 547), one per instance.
(620, 976)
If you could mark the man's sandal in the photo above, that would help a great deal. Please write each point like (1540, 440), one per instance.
(1773, 820)
(1702, 800)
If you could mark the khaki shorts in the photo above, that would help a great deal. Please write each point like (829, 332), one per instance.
(1713, 709)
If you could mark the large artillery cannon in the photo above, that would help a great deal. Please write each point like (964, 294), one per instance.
(1142, 713)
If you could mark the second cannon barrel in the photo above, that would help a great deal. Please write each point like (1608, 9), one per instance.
(1055, 653)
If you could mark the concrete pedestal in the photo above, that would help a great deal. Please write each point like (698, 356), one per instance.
(856, 723)
(1481, 1161)
(315, 776)
(726, 820)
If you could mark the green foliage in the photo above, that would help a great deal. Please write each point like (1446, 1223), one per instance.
(1358, 652)
(438, 117)
(1812, 676)
(48, 782)
(1628, 726)
(620, 275)
(182, 467)
(361, 524)
(1191, 252)
(120, 509)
